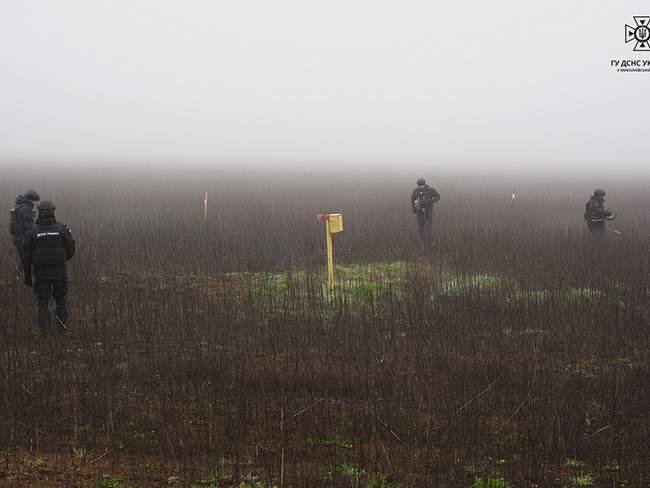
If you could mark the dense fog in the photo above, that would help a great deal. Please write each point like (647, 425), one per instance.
(361, 84)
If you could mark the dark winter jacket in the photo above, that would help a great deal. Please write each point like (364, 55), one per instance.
(48, 247)
(427, 197)
(595, 212)
(22, 218)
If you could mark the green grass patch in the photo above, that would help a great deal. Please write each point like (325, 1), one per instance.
(574, 463)
(453, 284)
(370, 282)
(335, 441)
(584, 480)
(490, 483)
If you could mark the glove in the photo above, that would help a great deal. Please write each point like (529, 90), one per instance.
(28, 281)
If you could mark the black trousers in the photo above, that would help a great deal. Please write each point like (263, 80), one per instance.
(20, 264)
(425, 224)
(44, 289)
(596, 228)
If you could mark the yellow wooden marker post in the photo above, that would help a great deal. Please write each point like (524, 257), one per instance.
(330, 255)
(333, 225)
(205, 206)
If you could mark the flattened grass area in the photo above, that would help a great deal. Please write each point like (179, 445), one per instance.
(372, 281)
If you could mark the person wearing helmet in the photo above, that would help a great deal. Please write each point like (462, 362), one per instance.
(596, 213)
(423, 199)
(48, 247)
(21, 219)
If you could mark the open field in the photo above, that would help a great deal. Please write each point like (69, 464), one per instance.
(209, 354)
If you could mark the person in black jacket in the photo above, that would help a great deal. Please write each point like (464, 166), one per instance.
(423, 199)
(596, 214)
(20, 221)
(48, 247)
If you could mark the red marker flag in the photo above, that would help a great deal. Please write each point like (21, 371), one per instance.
(514, 195)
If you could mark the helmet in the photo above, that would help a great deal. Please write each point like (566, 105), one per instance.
(46, 206)
(599, 192)
(421, 182)
(32, 195)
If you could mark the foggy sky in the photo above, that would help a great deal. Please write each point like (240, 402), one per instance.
(364, 83)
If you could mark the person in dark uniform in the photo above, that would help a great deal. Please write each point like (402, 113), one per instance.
(423, 199)
(20, 221)
(596, 213)
(48, 247)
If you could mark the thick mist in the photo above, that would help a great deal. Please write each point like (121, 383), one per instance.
(354, 84)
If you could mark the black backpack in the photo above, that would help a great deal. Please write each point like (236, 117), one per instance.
(16, 227)
(425, 197)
